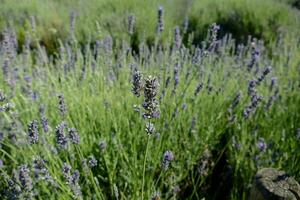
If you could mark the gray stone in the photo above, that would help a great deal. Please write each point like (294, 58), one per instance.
(272, 184)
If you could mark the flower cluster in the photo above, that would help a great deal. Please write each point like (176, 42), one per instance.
(160, 21)
(168, 157)
(61, 138)
(72, 179)
(150, 103)
(137, 83)
(33, 132)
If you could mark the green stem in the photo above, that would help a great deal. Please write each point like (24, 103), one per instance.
(90, 173)
(156, 182)
(144, 167)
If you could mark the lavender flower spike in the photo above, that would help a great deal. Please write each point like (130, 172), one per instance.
(61, 139)
(24, 178)
(150, 103)
(33, 133)
(61, 105)
(137, 83)
(160, 22)
(167, 159)
(74, 136)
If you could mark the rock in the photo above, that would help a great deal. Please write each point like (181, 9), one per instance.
(272, 184)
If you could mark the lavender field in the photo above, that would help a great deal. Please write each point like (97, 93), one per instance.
(178, 113)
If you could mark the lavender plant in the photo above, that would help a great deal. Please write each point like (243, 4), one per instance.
(160, 20)
(218, 109)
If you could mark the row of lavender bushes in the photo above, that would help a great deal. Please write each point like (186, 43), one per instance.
(97, 18)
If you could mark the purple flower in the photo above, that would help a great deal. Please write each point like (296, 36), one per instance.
(272, 98)
(137, 83)
(72, 25)
(24, 178)
(261, 145)
(273, 83)
(177, 38)
(160, 21)
(251, 108)
(236, 100)
(150, 129)
(45, 124)
(61, 105)
(72, 179)
(214, 28)
(108, 45)
(150, 103)
(40, 170)
(61, 139)
(6, 107)
(33, 133)
(92, 161)
(39, 163)
(247, 112)
(2, 97)
(66, 170)
(75, 177)
(102, 145)
(176, 76)
(198, 89)
(27, 78)
(74, 136)
(255, 55)
(167, 159)
(251, 87)
(131, 24)
(266, 71)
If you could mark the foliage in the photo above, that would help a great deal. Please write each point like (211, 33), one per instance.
(165, 119)
(94, 18)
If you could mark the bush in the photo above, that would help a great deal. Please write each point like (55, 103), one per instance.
(243, 18)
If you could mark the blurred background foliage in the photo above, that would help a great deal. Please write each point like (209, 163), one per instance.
(97, 18)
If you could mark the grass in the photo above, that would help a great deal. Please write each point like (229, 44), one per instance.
(214, 156)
